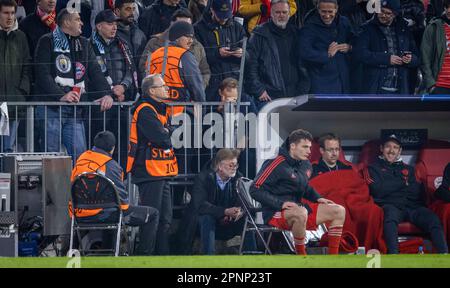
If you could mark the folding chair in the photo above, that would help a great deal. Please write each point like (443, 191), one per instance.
(251, 207)
(94, 191)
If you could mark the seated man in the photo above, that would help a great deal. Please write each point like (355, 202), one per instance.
(99, 160)
(330, 148)
(213, 196)
(394, 188)
(282, 183)
(443, 192)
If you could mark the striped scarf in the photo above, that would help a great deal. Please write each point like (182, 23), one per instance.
(49, 20)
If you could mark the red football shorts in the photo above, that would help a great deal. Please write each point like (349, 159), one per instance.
(278, 220)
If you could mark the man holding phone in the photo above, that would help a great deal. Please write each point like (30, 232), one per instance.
(388, 51)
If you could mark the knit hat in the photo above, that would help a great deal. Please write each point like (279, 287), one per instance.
(180, 28)
(393, 5)
(105, 140)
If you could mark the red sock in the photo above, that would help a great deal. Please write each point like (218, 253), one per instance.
(334, 238)
(300, 245)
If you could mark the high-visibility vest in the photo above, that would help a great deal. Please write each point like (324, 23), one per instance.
(90, 161)
(177, 89)
(158, 162)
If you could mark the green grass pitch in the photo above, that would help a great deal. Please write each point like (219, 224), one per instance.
(260, 261)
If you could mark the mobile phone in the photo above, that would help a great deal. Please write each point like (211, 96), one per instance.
(406, 53)
(234, 47)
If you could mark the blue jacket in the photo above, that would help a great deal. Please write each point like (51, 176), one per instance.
(328, 75)
(371, 49)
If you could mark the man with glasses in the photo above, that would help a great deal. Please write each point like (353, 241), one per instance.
(151, 160)
(215, 202)
(330, 148)
(388, 51)
(325, 48)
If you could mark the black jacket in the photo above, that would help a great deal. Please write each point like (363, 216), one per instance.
(213, 36)
(280, 180)
(156, 18)
(15, 69)
(395, 184)
(443, 192)
(321, 167)
(45, 70)
(33, 27)
(113, 64)
(206, 193)
(328, 75)
(149, 129)
(263, 69)
(371, 49)
(134, 37)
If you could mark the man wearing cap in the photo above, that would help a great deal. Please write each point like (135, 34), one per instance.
(115, 60)
(222, 38)
(388, 51)
(182, 75)
(394, 188)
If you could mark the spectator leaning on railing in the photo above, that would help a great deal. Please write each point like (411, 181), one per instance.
(15, 71)
(66, 69)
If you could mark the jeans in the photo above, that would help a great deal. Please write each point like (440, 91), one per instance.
(72, 134)
(211, 229)
(9, 142)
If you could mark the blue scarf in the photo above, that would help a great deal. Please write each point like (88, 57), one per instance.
(98, 43)
(60, 41)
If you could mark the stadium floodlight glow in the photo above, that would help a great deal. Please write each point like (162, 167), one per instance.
(370, 97)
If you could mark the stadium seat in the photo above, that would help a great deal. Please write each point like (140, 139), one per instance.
(430, 165)
(369, 153)
(91, 190)
(251, 207)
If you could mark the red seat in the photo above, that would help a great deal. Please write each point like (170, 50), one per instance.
(369, 153)
(407, 228)
(430, 165)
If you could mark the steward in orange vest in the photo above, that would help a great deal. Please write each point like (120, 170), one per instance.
(182, 74)
(150, 152)
(99, 160)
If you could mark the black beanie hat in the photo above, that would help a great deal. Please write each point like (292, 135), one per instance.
(180, 28)
(105, 140)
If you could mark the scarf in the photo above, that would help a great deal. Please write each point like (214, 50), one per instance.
(265, 17)
(49, 20)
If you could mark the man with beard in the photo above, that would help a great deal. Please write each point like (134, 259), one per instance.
(273, 70)
(128, 31)
(394, 188)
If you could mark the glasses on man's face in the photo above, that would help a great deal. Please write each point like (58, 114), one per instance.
(231, 165)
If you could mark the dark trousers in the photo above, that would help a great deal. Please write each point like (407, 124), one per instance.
(211, 229)
(422, 217)
(147, 219)
(157, 194)
(143, 216)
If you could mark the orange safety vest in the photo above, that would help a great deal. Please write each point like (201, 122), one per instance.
(90, 161)
(177, 90)
(158, 162)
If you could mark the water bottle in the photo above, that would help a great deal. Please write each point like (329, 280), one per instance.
(421, 250)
